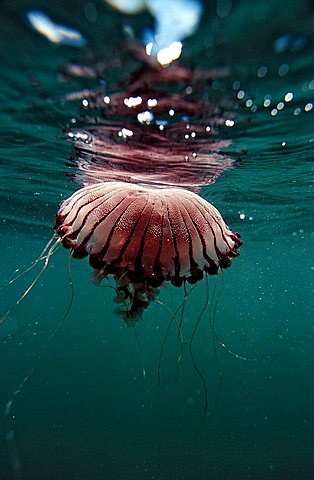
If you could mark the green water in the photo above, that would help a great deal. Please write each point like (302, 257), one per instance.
(87, 412)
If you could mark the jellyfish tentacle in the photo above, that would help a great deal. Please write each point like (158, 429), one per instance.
(195, 366)
(179, 324)
(173, 317)
(8, 417)
(219, 387)
(218, 339)
(17, 274)
(33, 283)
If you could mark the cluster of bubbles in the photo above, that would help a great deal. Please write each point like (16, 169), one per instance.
(274, 105)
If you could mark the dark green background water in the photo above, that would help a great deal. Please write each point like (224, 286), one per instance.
(87, 412)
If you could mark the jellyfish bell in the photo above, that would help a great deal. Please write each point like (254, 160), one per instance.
(144, 236)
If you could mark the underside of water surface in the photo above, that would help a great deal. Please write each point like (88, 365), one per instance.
(229, 122)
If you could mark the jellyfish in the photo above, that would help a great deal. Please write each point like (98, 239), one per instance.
(138, 216)
(144, 237)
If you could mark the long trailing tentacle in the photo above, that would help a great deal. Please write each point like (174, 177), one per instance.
(212, 322)
(215, 300)
(17, 274)
(196, 367)
(16, 466)
(173, 316)
(33, 283)
(238, 356)
(249, 358)
(180, 333)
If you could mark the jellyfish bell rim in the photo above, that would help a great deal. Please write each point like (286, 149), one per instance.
(172, 217)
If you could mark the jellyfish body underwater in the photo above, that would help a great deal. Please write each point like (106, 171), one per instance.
(145, 236)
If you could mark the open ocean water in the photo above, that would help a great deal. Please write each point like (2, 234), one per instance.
(87, 412)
